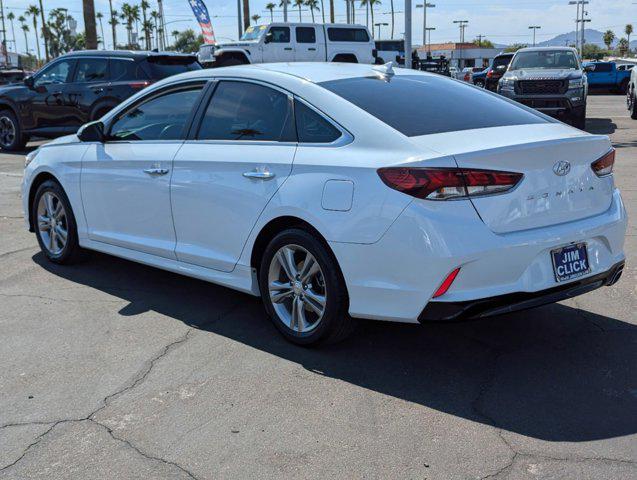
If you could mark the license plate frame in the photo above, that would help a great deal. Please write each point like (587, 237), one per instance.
(570, 262)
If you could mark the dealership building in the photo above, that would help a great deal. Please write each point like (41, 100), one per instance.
(461, 55)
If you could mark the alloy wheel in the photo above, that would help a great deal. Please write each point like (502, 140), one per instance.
(7, 131)
(52, 223)
(297, 288)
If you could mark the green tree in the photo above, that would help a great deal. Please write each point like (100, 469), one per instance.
(270, 6)
(146, 25)
(515, 47)
(622, 47)
(372, 4)
(113, 23)
(312, 5)
(34, 11)
(628, 31)
(592, 52)
(100, 16)
(484, 43)
(609, 38)
(188, 42)
(255, 18)
(299, 4)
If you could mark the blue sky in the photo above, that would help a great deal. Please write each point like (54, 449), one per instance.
(502, 21)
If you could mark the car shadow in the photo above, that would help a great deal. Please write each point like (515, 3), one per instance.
(555, 373)
(600, 126)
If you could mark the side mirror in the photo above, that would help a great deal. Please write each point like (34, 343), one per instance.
(92, 132)
(268, 38)
(29, 81)
(589, 68)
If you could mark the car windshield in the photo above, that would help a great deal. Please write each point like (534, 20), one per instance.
(427, 104)
(544, 59)
(253, 33)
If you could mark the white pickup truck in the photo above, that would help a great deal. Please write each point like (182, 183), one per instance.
(293, 42)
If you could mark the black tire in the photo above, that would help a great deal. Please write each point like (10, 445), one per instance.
(623, 87)
(71, 252)
(11, 136)
(230, 62)
(578, 117)
(479, 83)
(335, 323)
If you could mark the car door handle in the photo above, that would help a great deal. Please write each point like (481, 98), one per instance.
(312, 49)
(259, 174)
(98, 90)
(287, 48)
(156, 171)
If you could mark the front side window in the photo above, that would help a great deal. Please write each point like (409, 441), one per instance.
(160, 118)
(279, 35)
(312, 127)
(544, 59)
(305, 35)
(59, 72)
(92, 70)
(428, 104)
(347, 35)
(247, 111)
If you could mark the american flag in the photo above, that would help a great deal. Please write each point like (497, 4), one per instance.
(201, 13)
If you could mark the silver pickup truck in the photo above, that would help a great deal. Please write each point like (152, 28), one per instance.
(549, 79)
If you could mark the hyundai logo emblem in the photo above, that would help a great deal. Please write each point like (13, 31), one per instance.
(561, 168)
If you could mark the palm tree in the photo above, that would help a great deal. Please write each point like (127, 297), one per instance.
(136, 18)
(270, 6)
(154, 14)
(113, 22)
(372, 4)
(175, 34)
(25, 29)
(282, 3)
(299, 4)
(331, 11)
(323, 11)
(45, 32)
(246, 14)
(609, 38)
(146, 25)
(255, 18)
(11, 17)
(34, 11)
(366, 4)
(628, 31)
(99, 17)
(622, 46)
(313, 5)
(90, 30)
(127, 17)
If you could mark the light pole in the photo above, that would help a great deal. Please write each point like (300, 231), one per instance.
(379, 25)
(407, 33)
(579, 44)
(534, 28)
(428, 46)
(424, 7)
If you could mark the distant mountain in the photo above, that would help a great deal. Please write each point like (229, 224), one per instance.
(591, 36)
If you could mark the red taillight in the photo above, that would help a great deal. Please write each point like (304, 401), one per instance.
(139, 85)
(604, 166)
(490, 73)
(446, 183)
(447, 283)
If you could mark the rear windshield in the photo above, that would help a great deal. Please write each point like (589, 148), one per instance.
(426, 104)
(162, 67)
(497, 61)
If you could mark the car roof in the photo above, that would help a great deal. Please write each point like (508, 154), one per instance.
(540, 49)
(124, 53)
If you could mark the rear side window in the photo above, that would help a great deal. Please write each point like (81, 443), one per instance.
(91, 70)
(160, 118)
(247, 111)
(161, 67)
(124, 70)
(305, 35)
(427, 104)
(312, 127)
(347, 35)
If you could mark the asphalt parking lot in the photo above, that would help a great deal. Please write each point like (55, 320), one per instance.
(113, 370)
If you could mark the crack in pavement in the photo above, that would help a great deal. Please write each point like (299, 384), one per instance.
(6, 254)
(137, 380)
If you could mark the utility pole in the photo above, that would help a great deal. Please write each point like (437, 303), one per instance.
(408, 34)
(347, 14)
(583, 30)
(240, 24)
(480, 37)
(534, 28)
(285, 12)
(4, 36)
(579, 35)
(462, 24)
(424, 7)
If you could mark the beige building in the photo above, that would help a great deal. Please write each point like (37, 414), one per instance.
(461, 55)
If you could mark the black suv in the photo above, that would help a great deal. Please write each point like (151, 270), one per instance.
(77, 88)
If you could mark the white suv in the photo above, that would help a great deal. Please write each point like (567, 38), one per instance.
(293, 42)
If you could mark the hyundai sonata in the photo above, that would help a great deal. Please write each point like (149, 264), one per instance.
(337, 192)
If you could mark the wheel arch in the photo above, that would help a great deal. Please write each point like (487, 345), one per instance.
(5, 105)
(38, 180)
(345, 58)
(101, 105)
(229, 54)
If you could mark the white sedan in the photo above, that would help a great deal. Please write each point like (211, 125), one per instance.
(337, 192)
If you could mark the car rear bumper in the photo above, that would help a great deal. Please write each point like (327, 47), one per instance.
(512, 302)
(396, 277)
